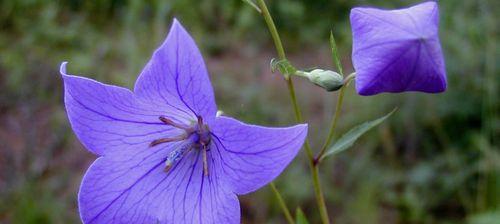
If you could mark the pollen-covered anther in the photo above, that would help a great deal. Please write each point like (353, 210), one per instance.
(205, 161)
(176, 155)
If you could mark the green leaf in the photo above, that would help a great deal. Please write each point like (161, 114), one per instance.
(348, 139)
(335, 54)
(300, 217)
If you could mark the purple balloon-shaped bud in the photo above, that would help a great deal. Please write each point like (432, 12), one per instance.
(397, 50)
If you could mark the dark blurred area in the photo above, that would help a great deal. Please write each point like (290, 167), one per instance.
(437, 160)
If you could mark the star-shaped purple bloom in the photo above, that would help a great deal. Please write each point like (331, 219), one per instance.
(164, 155)
(397, 50)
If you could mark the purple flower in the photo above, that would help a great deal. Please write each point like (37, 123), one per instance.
(397, 50)
(164, 155)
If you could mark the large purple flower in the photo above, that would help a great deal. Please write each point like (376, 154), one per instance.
(164, 155)
(397, 50)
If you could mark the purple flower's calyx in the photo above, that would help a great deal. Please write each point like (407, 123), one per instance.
(326, 79)
(196, 136)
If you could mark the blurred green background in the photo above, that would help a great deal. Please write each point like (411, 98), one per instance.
(436, 160)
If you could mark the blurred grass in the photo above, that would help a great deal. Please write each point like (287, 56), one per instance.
(436, 161)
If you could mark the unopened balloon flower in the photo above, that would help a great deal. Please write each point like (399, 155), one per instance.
(164, 155)
(397, 50)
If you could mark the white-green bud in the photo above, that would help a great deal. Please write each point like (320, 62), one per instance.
(326, 79)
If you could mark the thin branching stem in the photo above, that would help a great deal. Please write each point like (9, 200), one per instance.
(298, 115)
(333, 125)
(251, 3)
(282, 204)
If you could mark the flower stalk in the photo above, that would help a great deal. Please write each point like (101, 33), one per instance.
(282, 203)
(338, 110)
(298, 115)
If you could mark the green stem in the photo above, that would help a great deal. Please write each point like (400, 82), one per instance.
(312, 165)
(298, 115)
(301, 74)
(338, 109)
(282, 203)
(272, 29)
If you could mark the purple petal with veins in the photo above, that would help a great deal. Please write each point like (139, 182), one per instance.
(164, 156)
(397, 50)
(251, 156)
(176, 77)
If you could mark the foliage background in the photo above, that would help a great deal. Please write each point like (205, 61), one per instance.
(436, 161)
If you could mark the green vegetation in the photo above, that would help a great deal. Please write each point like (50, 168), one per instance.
(437, 160)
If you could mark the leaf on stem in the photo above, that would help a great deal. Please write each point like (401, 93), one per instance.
(300, 217)
(283, 66)
(348, 139)
(335, 54)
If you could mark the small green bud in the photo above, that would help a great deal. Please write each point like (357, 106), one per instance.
(326, 79)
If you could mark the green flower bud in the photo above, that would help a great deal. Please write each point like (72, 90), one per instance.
(326, 79)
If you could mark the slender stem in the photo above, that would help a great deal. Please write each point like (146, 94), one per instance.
(250, 2)
(336, 116)
(272, 29)
(338, 109)
(301, 74)
(281, 53)
(298, 115)
(282, 203)
(312, 165)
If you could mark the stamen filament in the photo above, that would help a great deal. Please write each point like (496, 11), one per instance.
(165, 140)
(172, 123)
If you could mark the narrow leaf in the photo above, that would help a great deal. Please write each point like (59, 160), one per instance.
(335, 54)
(348, 139)
(300, 217)
(251, 3)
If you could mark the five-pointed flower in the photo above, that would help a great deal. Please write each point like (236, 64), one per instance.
(164, 155)
(397, 50)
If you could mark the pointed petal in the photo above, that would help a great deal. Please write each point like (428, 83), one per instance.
(251, 156)
(138, 190)
(108, 118)
(176, 77)
(397, 50)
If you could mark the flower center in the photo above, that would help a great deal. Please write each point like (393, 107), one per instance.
(195, 137)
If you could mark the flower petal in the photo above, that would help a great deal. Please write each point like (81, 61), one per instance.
(110, 119)
(176, 77)
(251, 156)
(397, 50)
(138, 190)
